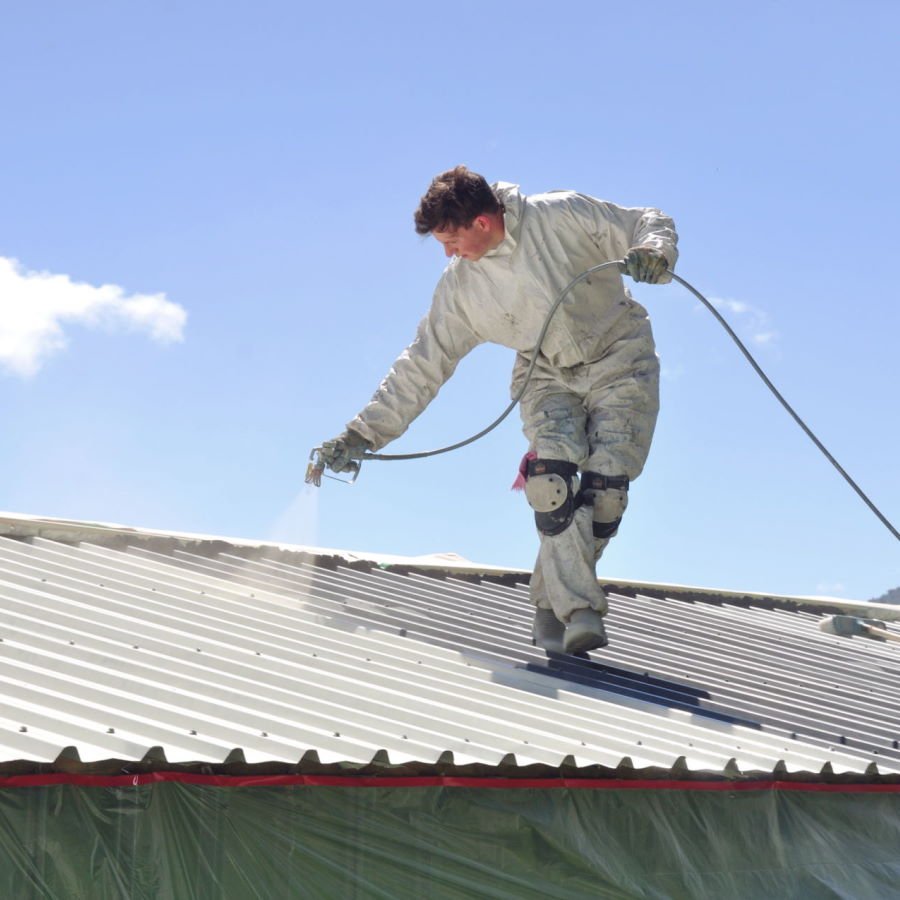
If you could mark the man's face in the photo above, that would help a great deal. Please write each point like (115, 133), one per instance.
(473, 242)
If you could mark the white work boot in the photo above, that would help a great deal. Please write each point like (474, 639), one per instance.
(547, 631)
(584, 632)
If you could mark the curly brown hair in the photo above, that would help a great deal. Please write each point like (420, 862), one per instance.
(454, 199)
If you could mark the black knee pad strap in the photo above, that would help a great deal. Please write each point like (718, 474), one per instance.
(604, 530)
(594, 481)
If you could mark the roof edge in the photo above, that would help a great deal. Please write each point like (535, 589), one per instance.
(73, 531)
(68, 767)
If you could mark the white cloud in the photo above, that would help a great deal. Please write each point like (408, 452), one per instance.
(35, 307)
(735, 306)
(753, 320)
(671, 373)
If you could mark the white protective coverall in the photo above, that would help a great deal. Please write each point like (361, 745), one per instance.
(594, 394)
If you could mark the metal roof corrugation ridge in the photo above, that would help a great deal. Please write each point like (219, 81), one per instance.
(351, 575)
(456, 614)
(104, 576)
(747, 677)
(762, 644)
(246, 573)
(81, 568)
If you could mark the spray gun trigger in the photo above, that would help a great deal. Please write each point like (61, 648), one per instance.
(355, 466)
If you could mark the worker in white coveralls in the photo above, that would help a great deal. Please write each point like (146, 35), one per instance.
(593, 398)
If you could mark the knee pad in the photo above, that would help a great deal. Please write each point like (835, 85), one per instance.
(551, 488)
(610, 497)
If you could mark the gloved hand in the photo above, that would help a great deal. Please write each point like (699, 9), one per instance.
(340, 453)
(646, 264)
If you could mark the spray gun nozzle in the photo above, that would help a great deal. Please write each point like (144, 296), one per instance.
(315, 469)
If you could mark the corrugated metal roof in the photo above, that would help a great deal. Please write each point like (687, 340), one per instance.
(183, 652)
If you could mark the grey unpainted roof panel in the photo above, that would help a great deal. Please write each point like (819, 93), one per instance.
(203, 652)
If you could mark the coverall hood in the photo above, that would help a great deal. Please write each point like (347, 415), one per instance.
(513, 201)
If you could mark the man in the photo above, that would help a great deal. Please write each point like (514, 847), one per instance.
(593, 397)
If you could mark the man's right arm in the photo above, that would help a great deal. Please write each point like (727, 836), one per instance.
(443, 337)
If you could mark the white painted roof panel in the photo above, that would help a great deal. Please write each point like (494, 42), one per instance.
(202, 649)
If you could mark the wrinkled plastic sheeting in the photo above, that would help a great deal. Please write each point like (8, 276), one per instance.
(184, 841)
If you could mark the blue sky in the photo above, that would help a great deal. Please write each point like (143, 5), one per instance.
(207, 264)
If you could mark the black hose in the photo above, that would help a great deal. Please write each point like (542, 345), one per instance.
(518, 396)
(787, 405)
(722, 322)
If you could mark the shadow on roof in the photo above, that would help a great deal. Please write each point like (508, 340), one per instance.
(637, 685)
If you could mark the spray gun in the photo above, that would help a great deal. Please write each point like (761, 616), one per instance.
(315, 470)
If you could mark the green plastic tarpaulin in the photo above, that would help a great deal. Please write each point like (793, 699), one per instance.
(214, 837)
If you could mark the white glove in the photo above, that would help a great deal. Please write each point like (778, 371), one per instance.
(646, 264)
(340, 454)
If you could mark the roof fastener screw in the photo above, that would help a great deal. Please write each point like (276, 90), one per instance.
(23, 729)
(264, 734)
(110, 730)
(336, 734)
(192, 731)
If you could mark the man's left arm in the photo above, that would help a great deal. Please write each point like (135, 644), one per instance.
(654, 248)
(644, 237)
